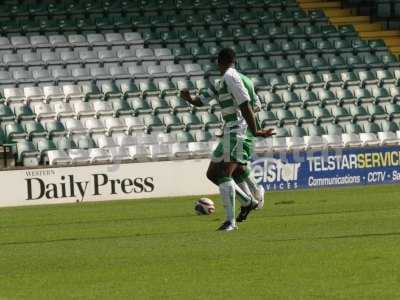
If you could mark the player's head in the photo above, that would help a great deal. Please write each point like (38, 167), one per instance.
(226, 58)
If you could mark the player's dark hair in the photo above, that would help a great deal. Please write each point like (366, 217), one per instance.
(226, 56)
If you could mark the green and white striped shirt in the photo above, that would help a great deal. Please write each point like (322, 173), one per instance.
(232, 90)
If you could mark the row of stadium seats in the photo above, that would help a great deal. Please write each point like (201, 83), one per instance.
(67, 66)
(128, 148)
(119, 23)
(316, 34)
(279, 12)
(32, 8)
(378, 85)
(247, 60)
(348, 118)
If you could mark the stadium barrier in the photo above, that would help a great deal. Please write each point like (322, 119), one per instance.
(328, 168)
(283, 171)
(104, 182)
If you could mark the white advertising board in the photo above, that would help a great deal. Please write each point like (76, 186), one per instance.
(105, 182)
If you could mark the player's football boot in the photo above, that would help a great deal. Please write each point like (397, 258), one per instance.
(245, 210)
(259, 195)
(227, 226)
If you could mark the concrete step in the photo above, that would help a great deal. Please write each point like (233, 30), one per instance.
(365, 27)
(337, 12)
(380, 34)
(392, 41)
(350, 20)
(320, 5)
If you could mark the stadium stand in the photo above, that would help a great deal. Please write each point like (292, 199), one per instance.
(93, 82)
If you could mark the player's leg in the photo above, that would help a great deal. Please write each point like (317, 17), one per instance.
(220, 173)
(247, 183)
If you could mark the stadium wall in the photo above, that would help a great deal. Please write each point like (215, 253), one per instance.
(283, 171)
(104, 182)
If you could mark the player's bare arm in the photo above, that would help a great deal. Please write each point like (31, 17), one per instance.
(185, 94)
(248, 115)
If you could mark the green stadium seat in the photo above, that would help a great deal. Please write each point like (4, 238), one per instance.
(360, 45)
(191, 121)
(177, 104)
(271, 99)
(26, 150)
(64, 143)
(266, 67)
(380, 94)
(289, 98)
(276, 82)
(290, 48)
(129, 89)
(385, 77)
(110, 90)
(358, 112)
(349, 78)
(297, 131)
(121, 107)
(184, 137)
(14, 131)
(266, 118)
(172, 122)
(343, 46)
(209, 120)
(393, 109)
(333, 129)
(85, 142)
(308, 98)
(340, 114)
(371, 127)
(376, 111)
(314, 130)
(153, 123)
(34, 129)
(159, 105)
(313, 80)
(367, 78)
(302, 65)
(24, 112)
(347, 30)
(386, 125)
(361, 95)
(148, 88)
(280, 132)
(353, 128)
(254, 50)
(344, 95)
(247, 67)
(321, 114)
(285, 116)
(303, 115)
(377, 45)
(43, 145)
(6, 113)
(203, 136)
(260, 84)
(325, 96)
(295, 81)
(139, 106)
(55, 128)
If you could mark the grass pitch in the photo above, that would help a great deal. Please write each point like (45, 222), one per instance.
(321, 244)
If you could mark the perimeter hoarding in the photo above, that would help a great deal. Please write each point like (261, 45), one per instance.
(327, 168)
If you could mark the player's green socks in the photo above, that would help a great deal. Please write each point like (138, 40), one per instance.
(227, 191)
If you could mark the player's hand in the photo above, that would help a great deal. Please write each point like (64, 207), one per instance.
(185, 95)
(265, 133)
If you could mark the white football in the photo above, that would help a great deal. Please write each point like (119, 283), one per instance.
(204, 206)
